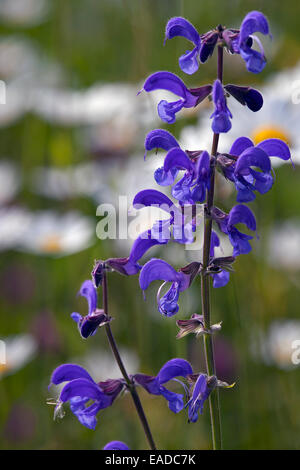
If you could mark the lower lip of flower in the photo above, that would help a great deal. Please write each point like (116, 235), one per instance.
(51, 244)
(270, 132)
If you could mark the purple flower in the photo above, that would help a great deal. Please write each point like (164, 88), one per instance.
(236, 41)
(191, 188)
(204, 45)
(221, 278)
(221, 116)
(181, 27)
(181, 220)
(201, 392)
(253, 22)
(127, 266)
(239, 214)
(170, 371)
(160, 138)
(95, 318)
(116, 445)
(170, 82)
(246, 179)
(157, 269)
(81, 389)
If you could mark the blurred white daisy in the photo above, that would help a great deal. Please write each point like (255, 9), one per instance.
(23, 12)
(14, 223)
(102, 102)
(85, 179)
(9, 181)
(16, 352)
(278, 346)
(56, 234)
(102, 365)
(25, 72)
(284, 245)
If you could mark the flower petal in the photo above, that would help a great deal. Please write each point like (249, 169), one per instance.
(167, 111)
(241, 214)
(246, 96)
(142, 244)
(221, 279)
(116, 445)
(239, 145)
(166, 81)
(175, 400)
(150, 197)
(214, 243)
(208, 46)
(82, 388)
(253, 22)
(160, 138)
(67, 372)
(89, 324)
(275, 148)
(88, 291)
(188, 62)
(221, 116)
(252, 156)
(177, 158)
(174, 368)
(165, 178)
(179, 26)
(157, 269)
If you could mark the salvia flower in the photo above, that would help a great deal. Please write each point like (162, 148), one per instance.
(95, 318)
(254, 22)
(158, 269)
(191, 188)
(245, 157)
(181, 27)
(201, 390)
(203, 45)
(127, 266)
(239, 214)
(160, 138)
(237, 41)
(81, 390)
(170, 371)
(189, 98)
(116, 445)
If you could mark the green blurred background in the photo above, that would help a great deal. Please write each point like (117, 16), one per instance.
(114, 41)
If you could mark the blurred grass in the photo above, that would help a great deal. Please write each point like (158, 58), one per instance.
(114, 41)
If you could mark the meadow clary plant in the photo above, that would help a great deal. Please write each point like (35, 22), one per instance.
(191, 178)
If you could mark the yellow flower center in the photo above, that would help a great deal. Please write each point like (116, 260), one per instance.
(51, 244)
(270, 132)
(3, 368)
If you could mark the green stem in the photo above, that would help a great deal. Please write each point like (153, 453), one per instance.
(214, 403)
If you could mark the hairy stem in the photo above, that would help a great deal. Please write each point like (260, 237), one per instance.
(130, 385)
(214, 403)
